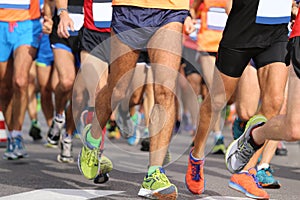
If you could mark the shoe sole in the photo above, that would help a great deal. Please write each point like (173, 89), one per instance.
(275, 185)
(161, 194)
(49, 145)
(242, 190)
(61, 159)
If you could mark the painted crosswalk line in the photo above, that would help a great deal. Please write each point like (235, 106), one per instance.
(65, 194)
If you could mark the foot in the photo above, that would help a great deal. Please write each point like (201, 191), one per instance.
(266, 179)
(54, 132)
(219, 147)
(124, 122)
(158, 186)
(88, 158)
(247, 183)
(105, 167)
(66, 154)
(35, 131)
(9, 153)
(194, 177)
(20, 150)
(241, 150)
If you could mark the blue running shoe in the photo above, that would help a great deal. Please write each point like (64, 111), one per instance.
(20, 150)
(9, 153)
(266, 179)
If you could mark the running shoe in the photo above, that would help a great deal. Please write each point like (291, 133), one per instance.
(134, 140)
(238, 127)
(240, 151)
(281, 149)
(246, 182)
(54, 132)
(124, 123)
(105, 167)
(35, 130)
(187, 122)
(66, 154)
(9, 153)
(219, 147)
(158, 186)
(112, 130)
(88, 158)
(266, 179)
(20, 150)
(194, 177)
(145, 144)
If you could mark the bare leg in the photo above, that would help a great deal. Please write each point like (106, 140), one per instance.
(23, 59)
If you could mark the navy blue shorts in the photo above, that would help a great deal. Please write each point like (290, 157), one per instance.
(135, 25)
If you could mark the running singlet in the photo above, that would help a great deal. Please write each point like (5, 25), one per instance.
(256, 23)
(161, 4)
(19, 10)
(97, 15)
(213, 21)
(296, 27)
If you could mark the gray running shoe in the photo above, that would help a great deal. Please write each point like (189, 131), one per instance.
(240, 151)
(54, 132)
(124, 122)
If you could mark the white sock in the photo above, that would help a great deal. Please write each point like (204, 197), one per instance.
(16, 133)
(263, 166)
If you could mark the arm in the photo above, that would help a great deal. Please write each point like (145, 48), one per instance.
(65, 21)
(194, 7)
(228, 6)
(48, 23)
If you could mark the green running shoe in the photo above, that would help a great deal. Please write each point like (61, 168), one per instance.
(158, 186)
(89, 157)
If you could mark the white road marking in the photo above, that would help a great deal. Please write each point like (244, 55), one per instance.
(63, 194)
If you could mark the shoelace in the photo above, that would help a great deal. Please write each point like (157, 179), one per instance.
(244, 153)
(196, 172)
(256, 180)
(91, 157)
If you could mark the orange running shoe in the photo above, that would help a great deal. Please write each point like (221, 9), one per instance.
(194, 177)
(247, 183)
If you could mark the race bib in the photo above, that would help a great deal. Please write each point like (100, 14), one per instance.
(15, 4)
(274, 11)
(102, 13)
(216, 18)
(78, 20)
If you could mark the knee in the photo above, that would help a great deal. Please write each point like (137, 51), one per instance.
(163, 95)
(66, 84)
(21, 82)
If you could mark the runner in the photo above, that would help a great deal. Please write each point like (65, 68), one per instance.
(281, 127)
(250, 32)
(20, 32)
(172, 15)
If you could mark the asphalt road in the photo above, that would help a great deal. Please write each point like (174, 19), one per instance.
(41, 177)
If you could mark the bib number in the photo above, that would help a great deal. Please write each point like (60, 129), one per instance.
(102, 13)
(15, 4)
(274, 12)
(216, 19)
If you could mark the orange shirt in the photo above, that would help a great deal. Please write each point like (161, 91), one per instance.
(160, 4)
(213, 20)
(13, 15)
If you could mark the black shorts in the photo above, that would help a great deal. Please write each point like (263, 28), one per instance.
(189, 59)
(134, 26)
(95, 43)
(144, 58)
(233, 61)
(294, 54)
(70, 44)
